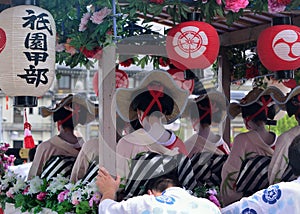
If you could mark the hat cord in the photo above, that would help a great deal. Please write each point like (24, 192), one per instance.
(74, 112)
(264, 107)
(156, 91)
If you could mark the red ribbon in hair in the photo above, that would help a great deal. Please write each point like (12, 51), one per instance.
(156, 92)
(74, 112)
(264, 107)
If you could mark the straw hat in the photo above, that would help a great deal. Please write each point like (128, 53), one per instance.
(86, 106)
(252, 97)
(294, 92)
(125, 96)
(215, 98)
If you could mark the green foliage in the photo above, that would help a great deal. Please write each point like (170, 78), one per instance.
(284, 124)
(84, 208)
(63, 207)
(68, 13)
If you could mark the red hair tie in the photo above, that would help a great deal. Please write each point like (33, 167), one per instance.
(156, 92)
(75, 112)
(264, 107)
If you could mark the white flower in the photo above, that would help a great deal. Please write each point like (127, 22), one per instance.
(90, 189)
(76, 197)
(35, 185)
(72, 187)
(57, 184)
(7, 180)
(20, 184)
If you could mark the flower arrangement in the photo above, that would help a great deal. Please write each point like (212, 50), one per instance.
(5, 161)
(211, 193)
(59, 194)
(94, 33)
(208, 9)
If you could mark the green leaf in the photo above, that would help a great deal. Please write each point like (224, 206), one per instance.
(83, 207)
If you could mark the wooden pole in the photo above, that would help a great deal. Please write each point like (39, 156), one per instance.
(107, 112)
(224, 71)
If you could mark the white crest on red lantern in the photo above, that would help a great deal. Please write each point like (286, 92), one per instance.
(286, 45)
(2, 39)
(190, 42)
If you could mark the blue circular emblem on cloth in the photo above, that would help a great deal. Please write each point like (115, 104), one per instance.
(249, 211)
(271, 194)
(165, 199)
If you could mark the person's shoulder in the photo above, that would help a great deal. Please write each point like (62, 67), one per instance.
(241, 138)
(133, 136)
(293, 131)
(45, 144)
(92, 143)
(207, 206)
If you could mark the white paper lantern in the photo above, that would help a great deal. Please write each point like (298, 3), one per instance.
(27, 53)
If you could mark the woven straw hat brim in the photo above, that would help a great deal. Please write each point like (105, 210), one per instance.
(254, 96)
(125, 96)
(214, 97)
(80, 99)
(295, 91)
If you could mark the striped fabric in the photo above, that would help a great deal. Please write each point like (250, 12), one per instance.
(58, 164)
(91, 173)
(253, 175)
(149, 165)
(207, 167)
(288, 175)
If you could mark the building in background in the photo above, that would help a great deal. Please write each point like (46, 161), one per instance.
(12, 118)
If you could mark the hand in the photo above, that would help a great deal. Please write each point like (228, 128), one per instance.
(107, 185)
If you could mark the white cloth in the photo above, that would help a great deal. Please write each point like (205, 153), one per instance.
(173, 200)
(281, 198)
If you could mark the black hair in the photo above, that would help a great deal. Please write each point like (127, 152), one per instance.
(63, 113)
(135, 124)
(31, 154)
(255, 107)
(143, 99)
(197, 112)
(163, 181)
(291, 108)
(294, 155)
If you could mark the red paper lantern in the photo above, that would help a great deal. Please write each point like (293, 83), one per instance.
(278, 47)
(178, 76)
(2, 39)
(290, 83)
(121, 80)
(192, 44)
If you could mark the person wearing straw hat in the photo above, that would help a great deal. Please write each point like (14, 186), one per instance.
(279, 166)
(71, 111)
(156, 101)
(256, 107)
(203, 110)
(280, 198)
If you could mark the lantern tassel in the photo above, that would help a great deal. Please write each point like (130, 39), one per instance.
(28, 139)
(6, 102)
